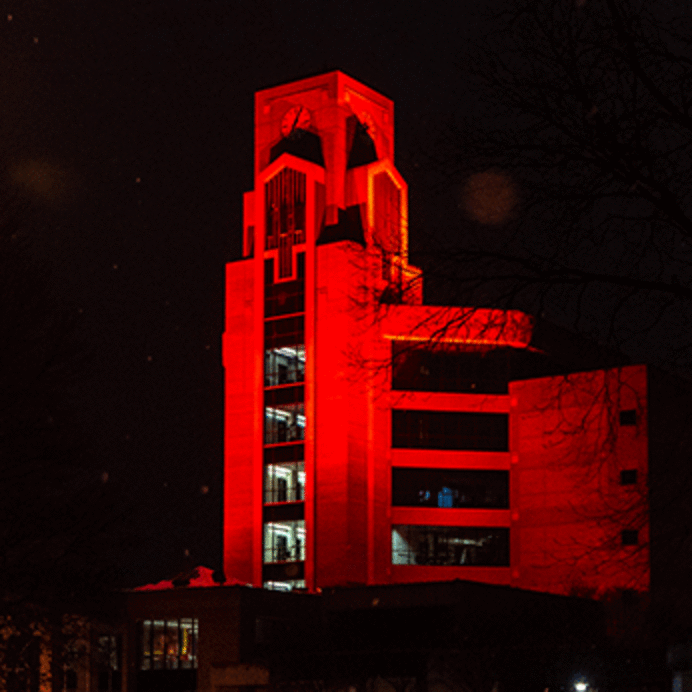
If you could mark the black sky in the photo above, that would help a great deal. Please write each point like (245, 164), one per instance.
(128, 126)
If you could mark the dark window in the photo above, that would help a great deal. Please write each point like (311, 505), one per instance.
(450, 430)
(291, 572)
(628, 477)
(284, 512)
(419, 369)
(450, 546)
(107, 662)
(70, 679)
(284, 332)
(269, 271)
(450, 488)
(630, 537)
(284, 454)
(284, 298)
(628, 417)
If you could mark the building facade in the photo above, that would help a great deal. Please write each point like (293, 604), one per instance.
(372, 439)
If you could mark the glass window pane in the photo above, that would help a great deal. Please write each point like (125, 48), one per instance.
(145, 662)
(287, 585)
(284, 541)
(284, 482)
(413, 487)
(188, 643)
(284, 365)
(171, 644)
(450, 430)
(450, 546)
(158, 644)
(284, 422)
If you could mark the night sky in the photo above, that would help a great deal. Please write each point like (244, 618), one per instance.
(128, 128)
(127, 142)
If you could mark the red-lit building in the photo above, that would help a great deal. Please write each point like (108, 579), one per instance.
(371, 439)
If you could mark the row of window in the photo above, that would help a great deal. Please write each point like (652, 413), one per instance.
(283, 541)
(411, 487)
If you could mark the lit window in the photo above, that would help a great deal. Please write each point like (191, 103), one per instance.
(284, 415)
(284, 365)
(450, 546)
(284, 541)
(168, 644)
(284, 482)
(288, 585)
(284, 423)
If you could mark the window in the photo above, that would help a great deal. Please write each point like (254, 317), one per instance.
(450, 546)
(287, 585)
(628, 477)
(168, 644)
(628, 417)
(284, 298)
(450, 488)
(286, 453)
(284, 482)
(284, 351)
(285, 209)
(450, 430)
(284, 541)
(630, 537)
(108, 663)
(284, 415)
(419, 369)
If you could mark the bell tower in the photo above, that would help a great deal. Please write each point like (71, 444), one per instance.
(324, 240)
(371, 439)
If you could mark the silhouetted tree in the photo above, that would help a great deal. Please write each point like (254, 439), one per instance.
(575, 184)
(575, 191)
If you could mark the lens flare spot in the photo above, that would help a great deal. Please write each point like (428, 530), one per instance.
(490, 197)
(40, 179)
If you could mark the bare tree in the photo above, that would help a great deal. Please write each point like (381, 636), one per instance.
(576, 183)
(575, 193)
